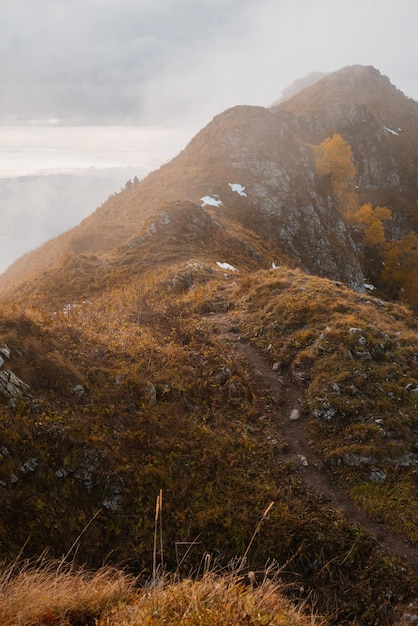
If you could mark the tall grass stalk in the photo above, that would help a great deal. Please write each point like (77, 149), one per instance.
(256, 531)
(158, 536)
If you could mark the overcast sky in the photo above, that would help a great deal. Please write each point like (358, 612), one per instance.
(184, 61)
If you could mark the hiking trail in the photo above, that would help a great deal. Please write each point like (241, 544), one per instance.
(287, 394)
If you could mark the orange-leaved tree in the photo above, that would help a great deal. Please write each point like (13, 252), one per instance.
(371, 222)
(334, 158)
(400, 272)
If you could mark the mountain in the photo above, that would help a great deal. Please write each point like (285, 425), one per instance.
(207, 333)
(269, 153)
(381, 125)
(300, 84)
(249, 146)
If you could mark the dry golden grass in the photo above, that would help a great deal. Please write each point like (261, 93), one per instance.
(211, 601)
(52, 592)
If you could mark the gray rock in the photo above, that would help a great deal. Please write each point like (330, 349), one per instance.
(364, 356)
(11, 386)
(78, 390)
(29, 465)
(295, 415)
(61, 473)
(409, 460)
(355, 460)
(326, 413)
(276, 366)
(5, 351)
(224, 374)
(377, 476)
(113, 503)
(85, 476)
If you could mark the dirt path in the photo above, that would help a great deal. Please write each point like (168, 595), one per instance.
(287, 395)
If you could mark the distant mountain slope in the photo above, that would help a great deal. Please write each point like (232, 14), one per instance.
(300, 84)
(381, 125)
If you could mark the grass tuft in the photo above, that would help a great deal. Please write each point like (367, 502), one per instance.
(211, 601)
(53, 592)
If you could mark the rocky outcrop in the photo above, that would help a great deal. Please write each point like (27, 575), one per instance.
(11, 386)
(265, 154)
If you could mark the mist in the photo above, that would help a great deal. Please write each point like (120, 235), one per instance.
(172, 61)
(35, 209)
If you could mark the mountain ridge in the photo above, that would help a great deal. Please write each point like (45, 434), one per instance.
(269, 152)
(206, 334)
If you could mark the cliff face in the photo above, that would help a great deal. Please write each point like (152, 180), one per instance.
(381, 125)
(266, 155)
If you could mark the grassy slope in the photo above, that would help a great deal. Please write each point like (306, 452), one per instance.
(160, 413)
(357, 357)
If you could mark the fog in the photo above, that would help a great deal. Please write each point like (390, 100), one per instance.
(35, 209)
(52, 177)
(170, 61)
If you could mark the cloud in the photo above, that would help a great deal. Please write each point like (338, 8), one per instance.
(93, 60)
(35, 209)
(124, 61)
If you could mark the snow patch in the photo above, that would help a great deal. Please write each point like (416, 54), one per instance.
(211, 201)
(274, 266)
(391, 131)
(226, 266)
(240, 189)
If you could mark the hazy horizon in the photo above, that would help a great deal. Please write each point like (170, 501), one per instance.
(53, 177)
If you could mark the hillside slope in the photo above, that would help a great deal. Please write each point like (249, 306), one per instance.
(257, 167)
(136, 391)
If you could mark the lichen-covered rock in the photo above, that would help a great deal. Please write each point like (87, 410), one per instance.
(11, 386)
